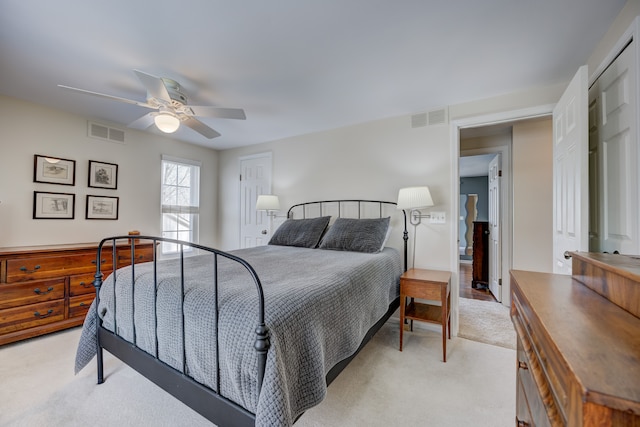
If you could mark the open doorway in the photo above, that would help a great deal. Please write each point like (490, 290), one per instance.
(525, 147)
(476, 210)
(484, 151)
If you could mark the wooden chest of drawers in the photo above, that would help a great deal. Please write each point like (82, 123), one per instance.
(44, 289)
(578, 353)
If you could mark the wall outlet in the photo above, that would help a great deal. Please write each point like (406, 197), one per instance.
(438, 218)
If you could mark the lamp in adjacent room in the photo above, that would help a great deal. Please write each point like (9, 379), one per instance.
(166, 122)
(413, 199)
(269, 203)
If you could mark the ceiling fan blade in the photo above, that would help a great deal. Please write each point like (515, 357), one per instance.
(143, 122)
(222, 113)
(200, 127)
(154, 85)
(102, 95)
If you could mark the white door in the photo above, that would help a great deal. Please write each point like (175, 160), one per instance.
(495, 265)
(570, 172)
(613, 97)
(255, 179)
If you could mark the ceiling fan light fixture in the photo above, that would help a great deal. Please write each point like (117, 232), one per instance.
(167, 122)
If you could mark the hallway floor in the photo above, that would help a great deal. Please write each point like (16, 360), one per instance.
(466, 291)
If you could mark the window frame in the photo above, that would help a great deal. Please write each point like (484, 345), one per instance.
(192, 209)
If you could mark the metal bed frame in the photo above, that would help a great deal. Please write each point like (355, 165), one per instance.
(204, 400)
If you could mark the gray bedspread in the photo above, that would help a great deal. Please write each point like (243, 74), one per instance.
(319, 306)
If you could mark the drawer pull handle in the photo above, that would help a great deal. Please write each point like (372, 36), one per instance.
(522, 365)
(82, 304)
(126, 257)
(39, 292)
(36, 268)
(102, 261)
(42, 316)
(85, 284)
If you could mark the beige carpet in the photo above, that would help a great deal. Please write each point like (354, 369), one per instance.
(381, 387)
(486, 322)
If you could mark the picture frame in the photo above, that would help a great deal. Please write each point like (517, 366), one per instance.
(54, 170)
(103, 175)
(102, 207)
(48, 205)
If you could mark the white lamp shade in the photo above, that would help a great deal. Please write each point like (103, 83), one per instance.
(166, 122)
(414, 198)
(268, 202)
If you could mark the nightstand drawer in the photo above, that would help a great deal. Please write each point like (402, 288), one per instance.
(420, 290)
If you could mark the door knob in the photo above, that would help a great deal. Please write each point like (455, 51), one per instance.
(264, 231)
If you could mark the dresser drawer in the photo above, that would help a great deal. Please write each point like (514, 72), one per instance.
(523, 413)
(142, 254)
(78, 306)
(81, 284)
(15, 295)
(31, 268)
(542, 371)
(28, 316)
(529, 391)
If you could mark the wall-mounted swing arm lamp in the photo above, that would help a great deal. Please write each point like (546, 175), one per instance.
(269, 203)
(413, 199)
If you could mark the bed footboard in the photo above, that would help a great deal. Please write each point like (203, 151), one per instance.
(174, 381)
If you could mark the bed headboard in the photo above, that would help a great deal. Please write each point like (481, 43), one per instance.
(354, 208)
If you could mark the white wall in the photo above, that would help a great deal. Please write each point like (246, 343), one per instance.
(367, 161)
(27, 129)
(533, 196)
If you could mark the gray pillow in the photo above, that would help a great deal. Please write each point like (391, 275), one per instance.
(304, 233)
(356, 235)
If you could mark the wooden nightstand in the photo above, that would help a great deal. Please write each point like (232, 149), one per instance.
(433, 285)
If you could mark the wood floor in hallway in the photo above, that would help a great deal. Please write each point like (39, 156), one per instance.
(466, 290)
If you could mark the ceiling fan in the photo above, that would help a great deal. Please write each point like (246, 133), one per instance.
(166, 96)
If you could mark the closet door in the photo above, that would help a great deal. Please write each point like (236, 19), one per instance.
(571, 172)
(613, 130)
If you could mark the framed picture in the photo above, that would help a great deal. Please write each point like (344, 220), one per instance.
(102, 207)
(53, 205)
(54, 170)
(103, 175)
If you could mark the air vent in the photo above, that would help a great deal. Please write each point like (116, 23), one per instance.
(430, 118)
(419, 120)
(105, 133)
(438, 117)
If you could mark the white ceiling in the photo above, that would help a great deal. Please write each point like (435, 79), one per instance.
(294, 66)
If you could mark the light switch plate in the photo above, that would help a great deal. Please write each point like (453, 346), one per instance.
(438, 218)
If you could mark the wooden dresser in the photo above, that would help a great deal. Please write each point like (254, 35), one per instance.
(45, 289)
(579, 343)
(480, 272)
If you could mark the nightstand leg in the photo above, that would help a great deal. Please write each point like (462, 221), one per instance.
(402, 302)
(444, 337)
(444, 324)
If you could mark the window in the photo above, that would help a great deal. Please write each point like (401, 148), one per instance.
(180, 201)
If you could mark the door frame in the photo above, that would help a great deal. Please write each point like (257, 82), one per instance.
(507, 197)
